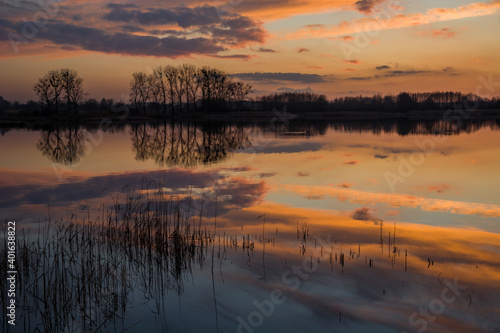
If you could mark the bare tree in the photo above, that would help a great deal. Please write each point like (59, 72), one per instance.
(171, 76)
(160, 79)
(140, 91)
(45, 91)
(72, 86)
(240, 91)
(188, 74)
(56, 82)
(155, 89)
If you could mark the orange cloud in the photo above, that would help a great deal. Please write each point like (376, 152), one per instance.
(353, 162)
(392, 212)
(399, 200)
(345, 185)
(445, 32)
(438, 188)
(265, 10)
(398, 20)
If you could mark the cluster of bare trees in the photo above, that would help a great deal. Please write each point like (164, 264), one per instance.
(185, 87)
(62, 85)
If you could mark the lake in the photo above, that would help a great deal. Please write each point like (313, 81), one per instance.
(283, 225)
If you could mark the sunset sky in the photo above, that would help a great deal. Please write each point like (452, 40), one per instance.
(336, 47)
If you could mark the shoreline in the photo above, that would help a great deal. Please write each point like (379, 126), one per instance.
(29, 120)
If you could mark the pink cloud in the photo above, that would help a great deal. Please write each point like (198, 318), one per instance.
(445, 32)
(438, 188)
(392, 212)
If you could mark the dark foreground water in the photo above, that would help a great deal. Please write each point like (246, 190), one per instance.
(270, 227)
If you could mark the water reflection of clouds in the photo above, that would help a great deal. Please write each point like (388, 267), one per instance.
(397, 200)
(233, 192)
(370, 297)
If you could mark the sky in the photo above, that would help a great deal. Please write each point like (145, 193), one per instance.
(335, 47)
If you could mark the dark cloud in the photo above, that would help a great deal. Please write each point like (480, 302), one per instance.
(366, 6)
(119, 6)
(293, 77)
(96, 187)
(383, 67)
(236, 31)
(266, 50)
(303, 49)
(450, 70)
(184, 17)
(267, 174)
(360, 78)
(97, 40)
(346, 38)
(133, 28)
(203, 31)
(363, 214)
(315, 26)
(345, 185)
(382, 157)
(404, 73)
(231, 191)
(234, 56)
(286, 89)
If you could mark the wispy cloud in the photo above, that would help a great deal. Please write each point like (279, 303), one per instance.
(277, 77)
(439, 14)
(399, 200)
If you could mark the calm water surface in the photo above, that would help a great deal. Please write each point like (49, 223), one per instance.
(310, 227)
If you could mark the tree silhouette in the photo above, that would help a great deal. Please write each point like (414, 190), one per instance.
(57, 84)
(181, 86)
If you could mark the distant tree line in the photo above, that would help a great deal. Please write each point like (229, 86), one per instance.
(294, 101)
(186, 88)
(405, 101)
(446, 100)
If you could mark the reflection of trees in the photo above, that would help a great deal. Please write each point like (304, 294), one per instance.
(405, 127)
(64, 146)
(187, 145)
